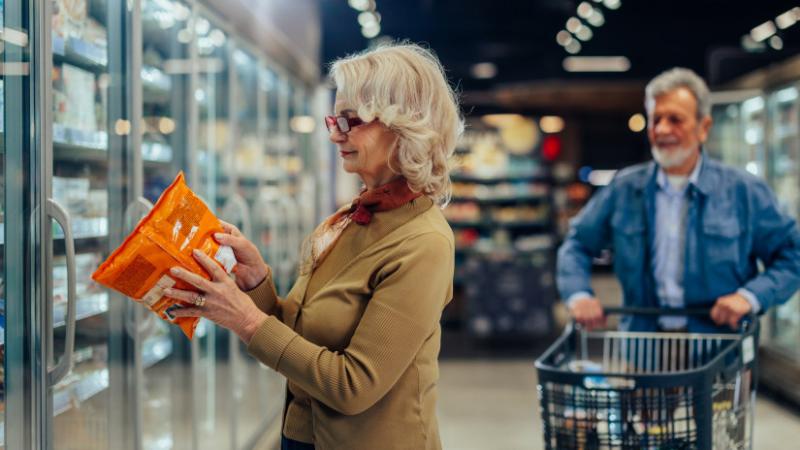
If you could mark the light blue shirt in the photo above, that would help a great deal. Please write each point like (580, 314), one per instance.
(668, 246)
(667, 252)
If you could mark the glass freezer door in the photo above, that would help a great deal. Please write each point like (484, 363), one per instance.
(16, 91)
(87, 131)
(161, 352)
(211, 391)
(784, 176)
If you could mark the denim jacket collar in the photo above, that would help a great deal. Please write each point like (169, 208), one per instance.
(705, 182)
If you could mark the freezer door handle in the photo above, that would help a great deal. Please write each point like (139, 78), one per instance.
(64, 366)
(237, 203)
(136, 326)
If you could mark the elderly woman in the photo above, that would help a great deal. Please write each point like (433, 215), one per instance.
(358, 336)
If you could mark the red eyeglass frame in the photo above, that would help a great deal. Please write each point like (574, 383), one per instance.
(342, 123)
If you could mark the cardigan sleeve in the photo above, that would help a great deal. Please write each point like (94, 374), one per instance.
(406, 304)
(265, 296)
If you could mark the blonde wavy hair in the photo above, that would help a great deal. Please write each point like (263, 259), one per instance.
(404, 86)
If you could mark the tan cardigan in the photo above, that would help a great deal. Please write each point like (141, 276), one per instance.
(358, 339)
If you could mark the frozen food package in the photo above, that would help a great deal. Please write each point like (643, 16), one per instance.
(179, 223)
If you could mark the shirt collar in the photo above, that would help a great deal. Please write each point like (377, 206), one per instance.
(661, 176)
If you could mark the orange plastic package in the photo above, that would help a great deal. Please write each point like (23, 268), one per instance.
(179, 223)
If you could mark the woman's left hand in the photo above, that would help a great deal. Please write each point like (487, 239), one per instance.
(218, 300)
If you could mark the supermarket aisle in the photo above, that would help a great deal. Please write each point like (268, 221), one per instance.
(492, 404)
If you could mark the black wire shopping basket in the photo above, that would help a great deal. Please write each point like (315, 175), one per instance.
(649, 390)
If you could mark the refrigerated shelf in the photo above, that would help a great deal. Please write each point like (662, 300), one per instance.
(85, 307)
(91, 378)
(80, 53)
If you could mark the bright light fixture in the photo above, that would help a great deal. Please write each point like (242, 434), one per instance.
(484, 70)
(573, 47)
(596, 64)
(776, 42)
(573, 25)
(551, 124)
(637, 123)
(596, 19)
(585, 10)
(368, 18)
(371, 31)
(359, 5)
(612, 4)
(584, 34)
(763, 31)
(788, 18)
(563, 38)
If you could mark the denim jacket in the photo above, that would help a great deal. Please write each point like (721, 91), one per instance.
(733, 222)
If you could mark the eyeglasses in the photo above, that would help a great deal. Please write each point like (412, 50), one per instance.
(342, 123)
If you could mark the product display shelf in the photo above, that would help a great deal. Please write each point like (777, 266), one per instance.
(85, 307)
(80, 53)
(510, 199)
(467, 178)
(90, 377)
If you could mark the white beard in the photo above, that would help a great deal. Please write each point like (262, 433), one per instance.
(668, 159)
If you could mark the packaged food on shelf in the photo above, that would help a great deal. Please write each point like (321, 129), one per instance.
(179, 223)
(69, 18)
(72, 193)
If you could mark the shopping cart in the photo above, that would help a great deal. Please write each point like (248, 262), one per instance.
(649, 390)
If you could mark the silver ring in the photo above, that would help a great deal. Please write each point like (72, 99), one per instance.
(200, 300)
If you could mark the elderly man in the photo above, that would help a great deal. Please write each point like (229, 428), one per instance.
(686, 231)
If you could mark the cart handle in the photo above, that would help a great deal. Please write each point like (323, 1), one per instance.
(747, 321)
(650, 311)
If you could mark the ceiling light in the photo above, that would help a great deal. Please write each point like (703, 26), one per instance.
(563, 38)
(596, 64)
(612, 4)
(788, 18)
(573, 47)
(484, 70)
(585, 10)
(371, 31)
(776, 42)
(573, 25)
(752, 167)
(361, 5)
(637, 123)
(584, 34)
(368, 18)
(751, 45)
(551, 124)
(596, 19)
(763, 31)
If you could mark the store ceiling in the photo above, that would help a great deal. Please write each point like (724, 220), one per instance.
(518, 36)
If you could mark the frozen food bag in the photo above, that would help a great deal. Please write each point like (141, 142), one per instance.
(179, 223)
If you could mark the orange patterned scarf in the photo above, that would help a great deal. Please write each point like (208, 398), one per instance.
(391, 195)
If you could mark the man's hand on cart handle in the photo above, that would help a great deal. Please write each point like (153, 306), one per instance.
(588, 312)
(729, 309)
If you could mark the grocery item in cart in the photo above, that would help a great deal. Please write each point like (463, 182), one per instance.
(178, 224)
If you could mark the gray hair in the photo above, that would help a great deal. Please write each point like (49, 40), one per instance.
(675, 78)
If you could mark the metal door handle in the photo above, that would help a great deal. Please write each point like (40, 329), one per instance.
(64, 366)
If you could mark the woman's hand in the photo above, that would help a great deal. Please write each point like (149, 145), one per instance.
(218, 300)
(250, 269)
